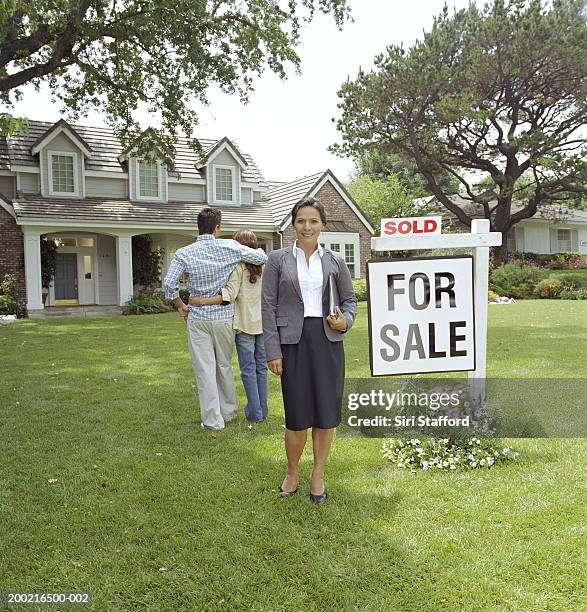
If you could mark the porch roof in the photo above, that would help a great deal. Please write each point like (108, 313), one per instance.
(29, 208)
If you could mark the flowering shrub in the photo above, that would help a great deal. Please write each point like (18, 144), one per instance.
(553, 261)
(446, 453)
(549, 288)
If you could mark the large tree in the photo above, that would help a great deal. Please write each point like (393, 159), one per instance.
(380, 165)
(497, 93)
(115, 55)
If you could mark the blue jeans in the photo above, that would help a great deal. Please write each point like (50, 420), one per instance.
(251, 359)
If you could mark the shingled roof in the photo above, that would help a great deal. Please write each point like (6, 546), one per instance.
(30, 206)
(105, 147)
(284, 197)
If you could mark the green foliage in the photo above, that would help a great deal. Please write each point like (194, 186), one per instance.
(146, 262)
(160, 55)
(573, 294)
(494, 92)
(492, 296)
(10, 125)
(184, 294)
(514, 280)
(568, 280)
(379, 166)
(381, 198)
(146, 303)
(8, 297)
(548, 288)
(360, 288)
(48, 261)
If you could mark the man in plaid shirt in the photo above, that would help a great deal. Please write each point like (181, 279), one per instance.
(208, 263)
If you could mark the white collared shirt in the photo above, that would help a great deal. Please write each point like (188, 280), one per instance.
(310, 278)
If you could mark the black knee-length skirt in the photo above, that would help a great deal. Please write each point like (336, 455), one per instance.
(312, 381)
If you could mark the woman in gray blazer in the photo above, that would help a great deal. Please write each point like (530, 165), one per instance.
(303, 339)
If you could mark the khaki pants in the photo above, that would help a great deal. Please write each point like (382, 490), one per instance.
(210, 344)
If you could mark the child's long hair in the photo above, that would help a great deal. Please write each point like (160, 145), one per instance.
(249, 239)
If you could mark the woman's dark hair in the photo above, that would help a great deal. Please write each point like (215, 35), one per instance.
(208, 219)
(249, 239)
(314, 203)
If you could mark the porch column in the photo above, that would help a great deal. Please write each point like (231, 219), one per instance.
(124, 268)
(32, 269)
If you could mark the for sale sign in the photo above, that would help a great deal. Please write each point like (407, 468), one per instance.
(421, 315)
(408, 226)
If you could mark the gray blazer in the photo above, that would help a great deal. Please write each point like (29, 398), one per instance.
(282, 306)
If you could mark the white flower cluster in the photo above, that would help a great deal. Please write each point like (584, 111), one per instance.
(445, 453)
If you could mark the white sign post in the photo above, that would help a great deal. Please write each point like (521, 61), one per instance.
(451, 319)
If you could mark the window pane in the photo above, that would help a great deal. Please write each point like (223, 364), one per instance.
(349, 253)
(70, 242)
(335, 247)
(87, 266)
(86, 242)
(148, 180)
(564, 234)
(224, 184)
(62, 172)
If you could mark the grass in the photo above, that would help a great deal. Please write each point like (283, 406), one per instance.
(149, 512)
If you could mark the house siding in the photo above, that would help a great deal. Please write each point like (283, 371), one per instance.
(8, 186)
(337, 208)
(61, 143)
(29, 182)
(12, 253)
(537, 236)
(106, 187)
(185, 192)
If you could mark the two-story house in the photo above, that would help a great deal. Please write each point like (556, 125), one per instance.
(75, 184)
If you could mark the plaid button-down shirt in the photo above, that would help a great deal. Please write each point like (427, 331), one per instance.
(208, 263)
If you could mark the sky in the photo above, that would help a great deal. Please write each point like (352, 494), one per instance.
(287, 125)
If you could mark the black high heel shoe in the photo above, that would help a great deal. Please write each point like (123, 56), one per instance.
(318, 499)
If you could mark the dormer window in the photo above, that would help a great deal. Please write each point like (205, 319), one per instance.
(149, 180)
(63, 175)
(224, 187)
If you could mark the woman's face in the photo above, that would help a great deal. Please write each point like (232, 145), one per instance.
(308, 225)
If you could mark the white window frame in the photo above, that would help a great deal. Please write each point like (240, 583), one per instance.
(233, 174)
(74, 156)
(138, 195)
(342, 238)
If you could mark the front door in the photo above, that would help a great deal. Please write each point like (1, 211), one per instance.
(66, 278)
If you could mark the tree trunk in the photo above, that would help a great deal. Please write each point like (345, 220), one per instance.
(500, 253)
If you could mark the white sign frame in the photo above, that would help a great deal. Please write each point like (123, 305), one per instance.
(470, 305)
(480, 239)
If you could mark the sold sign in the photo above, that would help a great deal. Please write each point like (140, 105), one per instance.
(406, 226)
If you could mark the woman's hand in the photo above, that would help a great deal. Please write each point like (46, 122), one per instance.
(196, 301)
(338, 323)
(276, 366)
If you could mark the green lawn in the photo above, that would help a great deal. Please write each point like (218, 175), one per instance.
(150, 512)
